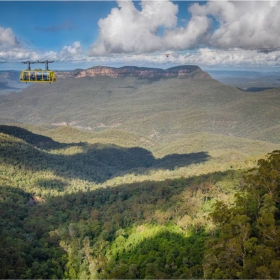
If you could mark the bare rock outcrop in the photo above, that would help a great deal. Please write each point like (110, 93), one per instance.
(35, 200)
(183, 71)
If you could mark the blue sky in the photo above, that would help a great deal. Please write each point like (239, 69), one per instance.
(52, 25)
(218, 34)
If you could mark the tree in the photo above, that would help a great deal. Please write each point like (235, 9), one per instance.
(247, 244)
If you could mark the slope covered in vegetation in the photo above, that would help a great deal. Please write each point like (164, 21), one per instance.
(160, 109)
(99, 209)
(246, 244)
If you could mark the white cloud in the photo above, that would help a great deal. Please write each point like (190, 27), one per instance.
(221, 24)
(67, 53)
(11, 49)
(203, 57)
(17, 54)
(73, 51)
(196, 32)
(233, 57)
(244, 24)
(128, 30)
(7, 37)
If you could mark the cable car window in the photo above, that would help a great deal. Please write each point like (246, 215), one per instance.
(26, 76)
(32, 76)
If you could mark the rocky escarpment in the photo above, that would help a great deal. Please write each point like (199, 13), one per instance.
(143, 72)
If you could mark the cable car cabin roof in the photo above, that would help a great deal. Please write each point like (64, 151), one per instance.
(37, 75)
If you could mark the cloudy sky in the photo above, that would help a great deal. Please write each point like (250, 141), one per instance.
(218, 34)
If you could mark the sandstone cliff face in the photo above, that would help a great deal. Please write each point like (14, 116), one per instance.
(183, 71)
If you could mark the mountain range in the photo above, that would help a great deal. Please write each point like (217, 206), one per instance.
(183, 71)
(162, 105)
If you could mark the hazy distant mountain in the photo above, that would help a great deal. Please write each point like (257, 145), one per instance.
(248, 80)
(164, 105)
(9, 82)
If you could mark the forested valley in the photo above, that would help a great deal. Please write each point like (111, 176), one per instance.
(93, 208)
(125, 178)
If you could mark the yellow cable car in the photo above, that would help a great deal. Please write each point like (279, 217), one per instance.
(37, 75)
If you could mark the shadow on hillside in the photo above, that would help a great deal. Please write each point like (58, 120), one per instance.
(96, 163)
(37, 140)
(180, 160)
(255, 89)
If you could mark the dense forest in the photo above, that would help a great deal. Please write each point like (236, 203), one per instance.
(87, 210)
